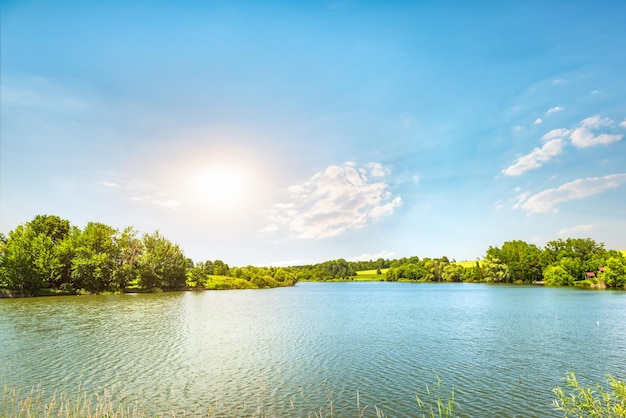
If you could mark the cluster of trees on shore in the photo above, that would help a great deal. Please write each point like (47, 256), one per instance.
(574, 261)
(48, 255)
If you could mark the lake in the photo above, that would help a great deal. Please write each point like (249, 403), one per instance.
(301, 350)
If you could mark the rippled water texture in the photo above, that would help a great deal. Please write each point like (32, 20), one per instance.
(290, 350)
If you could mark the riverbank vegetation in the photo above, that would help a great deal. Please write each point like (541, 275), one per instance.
(48, 255)
(593, 401)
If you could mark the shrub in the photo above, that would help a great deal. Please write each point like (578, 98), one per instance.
(591, 401)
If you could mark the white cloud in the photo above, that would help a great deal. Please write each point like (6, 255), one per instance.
(334, 201)
(536, 158)
(547, 200)
(538, 121)
(583, 137)
(110, 184)
(554, 109)
(518, 128)
(521, 198)
(143, 192)
(367, 256)
(575, 229)
(595, 122)
(556, 133)
(377, 170)
(623, 123)
(170, 204)
(558, 81)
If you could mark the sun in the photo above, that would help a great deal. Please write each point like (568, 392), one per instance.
(221, 187)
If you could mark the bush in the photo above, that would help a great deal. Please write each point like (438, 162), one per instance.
(591, 401)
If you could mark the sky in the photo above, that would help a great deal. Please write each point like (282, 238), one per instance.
(289, 133)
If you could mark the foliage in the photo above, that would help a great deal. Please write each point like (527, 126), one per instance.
(436, 403)
(48, 254)
(522, 261)
(556, 275)
(163, 264)
(615, 272)
(591, 401)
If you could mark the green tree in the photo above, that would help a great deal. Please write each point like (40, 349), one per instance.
(556, 275)
(494, 270)
(453, 273)
(574, 267)
(615, 272)
(30, 259)
(162, 264)
(220, 268)
(130, 249)
(94, 267)
(522, 261)
(197, 277)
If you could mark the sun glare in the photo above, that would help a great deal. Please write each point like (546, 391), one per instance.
(220, 187)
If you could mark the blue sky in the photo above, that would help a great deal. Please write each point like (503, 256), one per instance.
(285, 132)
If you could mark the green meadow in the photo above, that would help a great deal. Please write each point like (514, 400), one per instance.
(370, 275)
(467, 264)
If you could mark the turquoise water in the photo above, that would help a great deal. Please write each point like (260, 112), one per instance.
(295, 351)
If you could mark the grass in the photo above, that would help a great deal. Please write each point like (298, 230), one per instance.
(435, 403)
(370, 275)
(468, 264)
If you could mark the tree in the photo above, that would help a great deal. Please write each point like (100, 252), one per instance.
(94, 267)
(130, 251)
(556, 275)
(522, 261)
(197, 277)
(30, 259)
(494, 270)
(453, 273)
(615, 272)
(162, 264)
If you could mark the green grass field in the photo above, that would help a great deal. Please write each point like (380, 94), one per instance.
(370, 275)
(467, 263)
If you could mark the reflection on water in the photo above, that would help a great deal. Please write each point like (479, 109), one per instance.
(503, 348)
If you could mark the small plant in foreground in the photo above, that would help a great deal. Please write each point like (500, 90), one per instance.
(591, 401)
(436, 406)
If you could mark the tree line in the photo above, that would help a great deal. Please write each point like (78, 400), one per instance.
(48, 255)
(573, 261)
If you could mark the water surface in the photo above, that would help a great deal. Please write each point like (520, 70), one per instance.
(294, 351)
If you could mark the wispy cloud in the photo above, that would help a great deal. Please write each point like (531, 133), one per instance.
(556, 133)
(334, 201)
(583, 136)
(40, 94)
(367, 256)
(110, 184)
(576, 229)
(623, 123)
(140, 191)
(538, 121)
(547, 200)
(558, 81)
(554, 109)
(536, 158)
